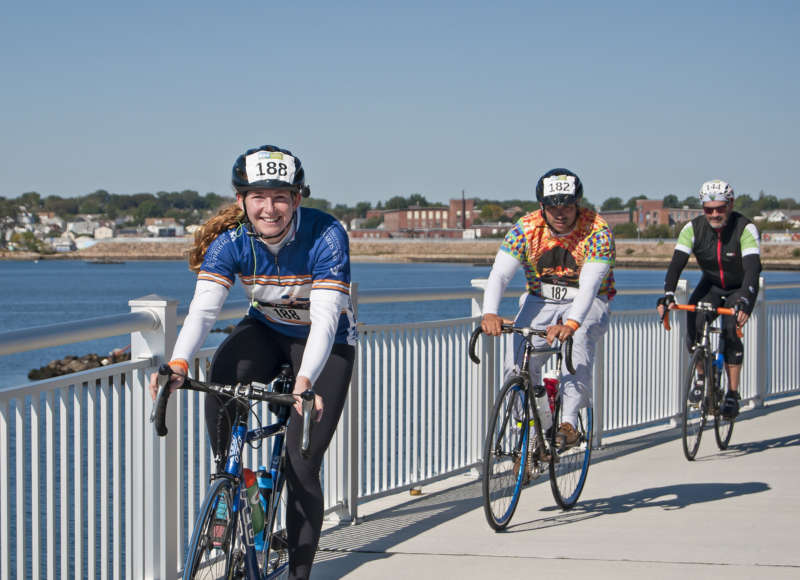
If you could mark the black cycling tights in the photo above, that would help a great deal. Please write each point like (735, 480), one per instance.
(253, 351)
(733, 348)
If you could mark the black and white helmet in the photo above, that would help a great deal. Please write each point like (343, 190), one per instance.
(716, 190)
(268, 167)
(559, 187)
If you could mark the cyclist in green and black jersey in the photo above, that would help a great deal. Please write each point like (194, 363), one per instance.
(726, 246)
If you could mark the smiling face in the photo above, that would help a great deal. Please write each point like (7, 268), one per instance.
(717, 213)
(270, 211)
(561, 218)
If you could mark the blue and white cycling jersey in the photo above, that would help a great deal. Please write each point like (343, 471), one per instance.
(317, 256)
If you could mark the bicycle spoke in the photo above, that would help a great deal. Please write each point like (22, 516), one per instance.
(505, 454)
(695, 411)
(214, 546)
(723, 426)
(569, 468)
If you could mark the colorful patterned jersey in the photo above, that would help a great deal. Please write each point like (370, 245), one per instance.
(552, 259)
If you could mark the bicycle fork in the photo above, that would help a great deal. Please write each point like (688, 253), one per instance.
(246, 533)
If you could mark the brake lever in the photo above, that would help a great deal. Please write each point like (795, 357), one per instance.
(308, 422)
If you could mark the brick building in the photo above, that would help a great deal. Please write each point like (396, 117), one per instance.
(651, 212)
(616, 217)
(459, 214)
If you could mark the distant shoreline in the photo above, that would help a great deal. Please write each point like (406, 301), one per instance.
(630, 254)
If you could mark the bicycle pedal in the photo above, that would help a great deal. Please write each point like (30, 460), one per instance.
(279, 541)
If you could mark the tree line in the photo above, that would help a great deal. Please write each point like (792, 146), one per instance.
(185, 206)
(189, 206)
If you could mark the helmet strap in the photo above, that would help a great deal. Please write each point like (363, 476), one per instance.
(271, 239)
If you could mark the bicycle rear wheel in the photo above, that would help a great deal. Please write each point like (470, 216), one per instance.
(569, 468)
(695, 412)
(723, 426)
(215, 546)
(505, 453)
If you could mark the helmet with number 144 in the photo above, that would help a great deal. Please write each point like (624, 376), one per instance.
(716, 190)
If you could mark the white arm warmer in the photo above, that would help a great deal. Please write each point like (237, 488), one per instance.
(325, 308)
(589, 280)
(206, 304)
(503, 270)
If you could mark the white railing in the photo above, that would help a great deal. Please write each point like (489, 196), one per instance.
(88, 490)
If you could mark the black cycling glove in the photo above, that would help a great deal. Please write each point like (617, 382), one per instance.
(666, 300)
(742, 304)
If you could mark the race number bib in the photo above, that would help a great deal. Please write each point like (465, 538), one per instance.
(557, 292)
(270, 165)
(559, 185)
(285, 313)
(715, 187)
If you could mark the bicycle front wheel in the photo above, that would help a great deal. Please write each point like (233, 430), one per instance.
(505, 454)
(214, 548)
(695, 409)
(569, 467)
(723, 426)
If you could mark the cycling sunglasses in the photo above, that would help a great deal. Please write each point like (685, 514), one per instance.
(715, 209)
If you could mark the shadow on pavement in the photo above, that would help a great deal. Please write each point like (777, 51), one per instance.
(735, 450)
(670, 497)
(381, 531)
(346, 547)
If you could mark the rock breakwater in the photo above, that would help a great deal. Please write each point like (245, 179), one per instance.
(75, 364)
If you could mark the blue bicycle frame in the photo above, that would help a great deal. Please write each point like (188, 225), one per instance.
(233, 467)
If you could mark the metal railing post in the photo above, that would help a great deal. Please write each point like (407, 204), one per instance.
(679, 352)
(486, 374)
(352, 456)
(5, 491)
(763, 371)
(155, 545)
(598, 391)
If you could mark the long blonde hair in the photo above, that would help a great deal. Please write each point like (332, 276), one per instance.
(228, 217)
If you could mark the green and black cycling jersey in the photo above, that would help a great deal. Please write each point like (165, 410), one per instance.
(729, 257)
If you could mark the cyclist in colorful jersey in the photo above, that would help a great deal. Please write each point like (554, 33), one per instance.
(294, 263)
(726, 246)
(567, 254)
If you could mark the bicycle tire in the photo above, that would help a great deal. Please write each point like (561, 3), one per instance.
(695, 414)
(723, 426)
(505, 453)
(204, 560)
(570, 467)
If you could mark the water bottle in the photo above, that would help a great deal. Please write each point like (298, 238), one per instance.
(254, 499)
(264, 479)
(718, 362)
(220, 523)
(551, 385)
(265, 487)
(222, 509)
(543, 406)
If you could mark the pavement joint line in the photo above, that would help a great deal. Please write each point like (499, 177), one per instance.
(553, 558)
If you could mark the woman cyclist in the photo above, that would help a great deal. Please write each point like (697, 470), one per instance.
(294, 263)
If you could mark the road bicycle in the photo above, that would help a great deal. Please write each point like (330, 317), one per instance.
(705, 397)
(521, 443)
(223, 544)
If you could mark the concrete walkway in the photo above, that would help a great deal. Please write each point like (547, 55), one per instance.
(645, 512)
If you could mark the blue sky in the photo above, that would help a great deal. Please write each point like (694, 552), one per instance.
(382, 99)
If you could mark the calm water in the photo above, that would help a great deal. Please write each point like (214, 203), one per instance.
(47, 292)
(34, 294)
